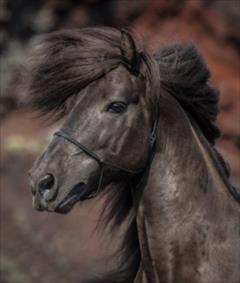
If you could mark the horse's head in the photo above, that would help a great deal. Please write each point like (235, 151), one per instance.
(106, 135)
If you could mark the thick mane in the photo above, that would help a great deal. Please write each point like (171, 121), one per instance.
(185, 75)
(62, 63)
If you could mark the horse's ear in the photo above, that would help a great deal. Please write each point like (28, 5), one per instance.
(129, 51)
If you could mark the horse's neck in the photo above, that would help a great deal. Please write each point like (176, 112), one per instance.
(183, 206)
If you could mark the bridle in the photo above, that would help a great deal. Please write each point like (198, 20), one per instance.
(103, 164)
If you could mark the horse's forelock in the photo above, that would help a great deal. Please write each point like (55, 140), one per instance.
(63, 63)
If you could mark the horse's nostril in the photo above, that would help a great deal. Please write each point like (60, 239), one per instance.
(46, 184)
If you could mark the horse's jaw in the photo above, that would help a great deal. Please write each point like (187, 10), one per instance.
(63, 204)
(79, 192)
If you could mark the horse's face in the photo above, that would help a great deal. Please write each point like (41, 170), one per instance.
(110, 117)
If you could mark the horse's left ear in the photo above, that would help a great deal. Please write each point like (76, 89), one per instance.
(130, 55)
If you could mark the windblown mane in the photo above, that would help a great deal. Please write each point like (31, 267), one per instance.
(64, 62)
(185, 75)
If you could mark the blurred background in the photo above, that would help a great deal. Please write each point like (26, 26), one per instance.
(46, 248)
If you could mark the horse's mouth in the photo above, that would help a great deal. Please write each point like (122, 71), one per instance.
(78, 193)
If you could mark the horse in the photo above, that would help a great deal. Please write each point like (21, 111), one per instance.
(138, 129)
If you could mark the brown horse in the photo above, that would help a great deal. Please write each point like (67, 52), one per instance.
(138, 130)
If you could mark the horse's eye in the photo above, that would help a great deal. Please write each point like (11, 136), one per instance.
(117, 107)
